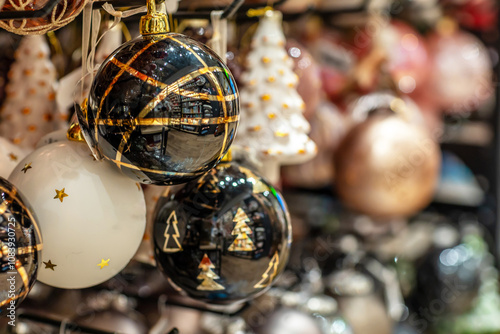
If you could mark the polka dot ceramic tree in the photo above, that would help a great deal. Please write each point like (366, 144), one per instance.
(272, 121)
(30, 111)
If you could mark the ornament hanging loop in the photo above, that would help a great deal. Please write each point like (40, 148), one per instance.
(153, 22)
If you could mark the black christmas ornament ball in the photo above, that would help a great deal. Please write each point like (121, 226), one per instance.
(223, 238)
(163, 107)
(21, 243)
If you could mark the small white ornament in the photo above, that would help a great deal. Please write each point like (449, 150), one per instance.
(91, 216)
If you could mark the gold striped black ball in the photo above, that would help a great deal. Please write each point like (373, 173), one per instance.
(164, 108)
(20, 247)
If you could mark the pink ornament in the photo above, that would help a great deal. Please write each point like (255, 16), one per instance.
(406, 56)
(336, 63)
(309, 87)
(461, 71)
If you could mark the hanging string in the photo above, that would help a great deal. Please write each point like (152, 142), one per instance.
(219, 40)
(87, 23)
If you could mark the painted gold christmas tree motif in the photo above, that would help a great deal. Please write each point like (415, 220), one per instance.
(266, 278)
(242, 243)
(208, 276)
(172, 221)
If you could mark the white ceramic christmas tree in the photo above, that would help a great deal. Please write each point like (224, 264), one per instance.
(272, 121)
(30, 110)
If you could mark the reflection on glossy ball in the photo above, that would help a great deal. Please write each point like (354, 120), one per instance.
(223, 238)
(164, 109)
(20, 243)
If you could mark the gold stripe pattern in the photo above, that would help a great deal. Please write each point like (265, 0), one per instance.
(166, 90)
(169, 121)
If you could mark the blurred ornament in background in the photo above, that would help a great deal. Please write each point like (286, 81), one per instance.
(458, 185)
(387, 165)
(309, 87)
(10, 155)
(167, 118)
(360, 301)
(448, 276)
(336, 63)
(29, 110)
(287, 321)
(477, 14)
(461, 69)
(421, 13)
(328, 126)
(92, 217)
(223, 238)
(407, 60)
(197, 29)
(63, 13)
(46, 301)
(21, 246)
(111, 312)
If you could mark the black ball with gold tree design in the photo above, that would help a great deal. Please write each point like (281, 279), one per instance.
(163, 107)
(20, 246)
(223, 238)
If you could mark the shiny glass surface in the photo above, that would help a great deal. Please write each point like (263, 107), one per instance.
(20, 243)
(235, 219)
(163, 108)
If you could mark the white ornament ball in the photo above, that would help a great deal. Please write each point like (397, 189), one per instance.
(91, 216)
(52, 137)
(10, 155)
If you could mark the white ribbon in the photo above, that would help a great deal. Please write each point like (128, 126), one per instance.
(219, 39)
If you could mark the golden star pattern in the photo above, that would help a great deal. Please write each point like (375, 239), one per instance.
(104, 263)
(13, 157)
(26, 167)
(60, 194)
(49, 265)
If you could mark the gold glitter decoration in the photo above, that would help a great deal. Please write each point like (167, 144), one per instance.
(208, 276)
(60, 194)
(49, 265)
(172, 222)
(242, 243)
(266, 278)
(104, 263)
(26, 167)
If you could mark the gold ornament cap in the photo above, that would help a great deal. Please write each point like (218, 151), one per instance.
(75, 133)
(153, 22)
